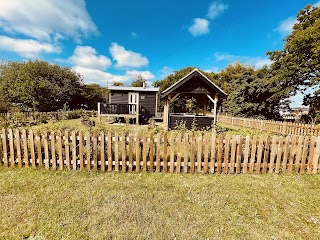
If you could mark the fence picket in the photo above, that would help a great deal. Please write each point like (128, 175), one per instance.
(74, 150)
(18, 143)
(151, 154)
(158, 163)
(81, 151)
(144, 152)
(25, 148)
(213, 153)
(53, 150)
(46, 150)
(130, 154)
(124, 153)
(199, 154)
(186, 153)
(220, 145)
(61, 162)
(178, 167)
(67, 149)
(246, 154)
(32, 146)
(137, 152)
(226, 154)
(102, 153)
(11, 146)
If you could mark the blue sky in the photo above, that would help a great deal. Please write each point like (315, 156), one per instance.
(110, 41)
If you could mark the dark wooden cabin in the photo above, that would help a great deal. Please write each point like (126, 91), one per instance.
(197, 86)
(132, 102)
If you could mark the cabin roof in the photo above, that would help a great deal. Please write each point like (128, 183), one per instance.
(194, 72)
(133, 89)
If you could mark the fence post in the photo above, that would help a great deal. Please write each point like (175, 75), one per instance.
(99, 114)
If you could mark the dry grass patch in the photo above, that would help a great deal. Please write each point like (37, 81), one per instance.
(40, 204)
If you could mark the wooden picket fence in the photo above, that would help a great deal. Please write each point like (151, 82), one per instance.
(162, 152)
(285, 128)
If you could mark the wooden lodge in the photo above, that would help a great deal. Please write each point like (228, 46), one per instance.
(139, 103)
(197, 86)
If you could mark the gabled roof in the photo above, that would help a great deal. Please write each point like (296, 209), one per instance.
(194, 72)
(137, 89)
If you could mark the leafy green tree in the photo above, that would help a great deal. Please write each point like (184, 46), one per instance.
(297, 66)
(139, 81)
(38, 85)
(115, 83)
(92, 94)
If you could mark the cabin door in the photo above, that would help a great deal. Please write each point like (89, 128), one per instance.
(133, 102)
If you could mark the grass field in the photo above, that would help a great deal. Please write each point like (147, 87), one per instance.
(39, 204)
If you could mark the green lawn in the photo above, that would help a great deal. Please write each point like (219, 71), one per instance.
(42, 204)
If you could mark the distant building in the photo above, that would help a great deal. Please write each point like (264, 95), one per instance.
(293, 113)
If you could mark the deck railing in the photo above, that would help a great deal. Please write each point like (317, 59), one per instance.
(115, 108)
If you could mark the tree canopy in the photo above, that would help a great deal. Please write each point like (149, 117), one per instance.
(297, 66)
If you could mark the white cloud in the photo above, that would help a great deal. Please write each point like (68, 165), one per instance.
(214, 69)
(257, 62)
(147, 75)
(166, 71)
(98, 76)
(285, 27)
(317, 4)
(216, 8)
(134, 35)
(87, 57)
(26, 47)
(199, 27)
(46, 20)
(127, 58)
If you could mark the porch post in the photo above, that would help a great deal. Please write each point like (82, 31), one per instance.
(99, 114)
(166, 113)
(215, 109)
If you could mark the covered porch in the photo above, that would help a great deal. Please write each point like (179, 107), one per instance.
(201, 92)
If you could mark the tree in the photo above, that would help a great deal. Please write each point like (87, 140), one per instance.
(251, 93)
(115, 83)
(38, 85)
(297, 66)
(139, 81)
(92, 94)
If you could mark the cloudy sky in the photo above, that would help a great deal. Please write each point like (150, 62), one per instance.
(110, 41)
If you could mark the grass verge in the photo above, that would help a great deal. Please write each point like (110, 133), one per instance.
(40, 204)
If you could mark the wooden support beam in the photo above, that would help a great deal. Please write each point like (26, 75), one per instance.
(215, 109)
(174, 98)
(166, 113)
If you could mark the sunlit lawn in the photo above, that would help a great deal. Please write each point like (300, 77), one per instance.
(40, 204)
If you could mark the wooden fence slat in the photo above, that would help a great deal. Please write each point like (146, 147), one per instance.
(151, 153)
(158, 163)
(259, 155)
(74, 150)
(213, 153)
(81, 160)
(102, 153)
(246, 154)
(137, 153)
(61, 162)
(239, 155)
(95, 151)
(199, 154)
(4, 147)
(18, 143)
(186, 153)
(233, 154)
(226, 154)
(273, 154)
(67, 149)
(304, 155)
(206, 153)
(253, 154)
(165, 152)
(144, 152)
(39, 149)
(116, 152)
(192, 163)
(266, 155)
(25, 148)
(279, 155)
(172, 146)
(53, 150)
(32, 147)
(109, 152)
(316, 157)
(292, 153)
(298, 155)
(220, 146)
(46, 150)
(311, 153)
(130, 154)
(178, 168)
(285, 154)
(11, 146)
(88, 151)
(124, 153)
